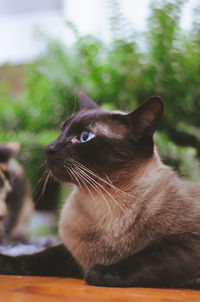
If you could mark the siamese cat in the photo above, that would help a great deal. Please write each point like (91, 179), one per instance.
(130, 220)
(16, 204)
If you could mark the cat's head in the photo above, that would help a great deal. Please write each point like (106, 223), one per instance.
(7, 151)
(104, 142)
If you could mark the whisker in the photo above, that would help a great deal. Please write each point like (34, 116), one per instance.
(106, 182)
(85, 182)
(41, 179)
(45, 182)
(95, 187)
(76, 178)
(106, 191)
(40, 182)
(69, 170)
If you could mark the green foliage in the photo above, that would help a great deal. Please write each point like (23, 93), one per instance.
(118, 75)
(174, 63)
(182, 159)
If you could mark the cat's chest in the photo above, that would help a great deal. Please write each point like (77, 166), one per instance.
(87, 215)
(95, 229)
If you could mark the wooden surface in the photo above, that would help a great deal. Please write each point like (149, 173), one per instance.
(42, 289)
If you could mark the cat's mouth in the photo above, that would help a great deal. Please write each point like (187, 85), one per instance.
(57, 169)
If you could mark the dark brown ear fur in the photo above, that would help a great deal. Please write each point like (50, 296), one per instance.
(145, 119)
(5, 154)
(87, 103)
(8, 150)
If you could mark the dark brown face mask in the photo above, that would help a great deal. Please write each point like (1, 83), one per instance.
(104, 141)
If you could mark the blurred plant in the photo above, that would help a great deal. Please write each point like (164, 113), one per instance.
(119, 74)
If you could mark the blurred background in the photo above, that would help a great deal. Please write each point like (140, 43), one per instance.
(117, 52)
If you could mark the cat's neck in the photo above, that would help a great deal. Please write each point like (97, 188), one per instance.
(128, 187)
(150, 172)
(144, 174)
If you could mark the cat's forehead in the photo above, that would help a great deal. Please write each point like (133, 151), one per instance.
(99, 121)
(82, 118)
(91, 116)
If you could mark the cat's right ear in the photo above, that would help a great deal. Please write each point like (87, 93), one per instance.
(146, 118)
(8, 150)
(87, 103)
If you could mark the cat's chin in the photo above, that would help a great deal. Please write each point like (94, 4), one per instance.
(59, 175)
(57, 170)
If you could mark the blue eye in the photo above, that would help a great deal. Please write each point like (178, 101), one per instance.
(86, 136)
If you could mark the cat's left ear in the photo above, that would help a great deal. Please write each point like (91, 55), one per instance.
(87, 103)
(146, 118)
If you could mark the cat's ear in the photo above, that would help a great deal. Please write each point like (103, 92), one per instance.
(87, 103)
(145, 119)
(8, 150)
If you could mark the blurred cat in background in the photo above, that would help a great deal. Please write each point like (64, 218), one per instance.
(16, 205)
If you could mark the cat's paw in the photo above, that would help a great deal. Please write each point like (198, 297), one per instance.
(94, 275)
(102, 275)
